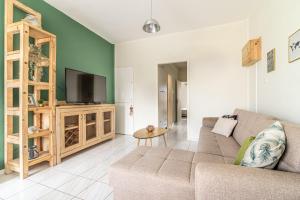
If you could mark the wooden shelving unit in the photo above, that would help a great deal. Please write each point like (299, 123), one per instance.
(41, 117)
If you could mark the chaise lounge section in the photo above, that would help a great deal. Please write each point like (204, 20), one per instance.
(171, 174)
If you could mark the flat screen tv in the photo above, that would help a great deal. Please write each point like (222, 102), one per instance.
(81, 87)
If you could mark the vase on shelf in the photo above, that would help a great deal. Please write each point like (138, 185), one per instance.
(33, 152)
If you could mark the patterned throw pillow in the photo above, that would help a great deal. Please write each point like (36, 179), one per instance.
(267, 148)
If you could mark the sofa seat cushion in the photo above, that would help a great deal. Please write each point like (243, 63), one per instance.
(216, 144)
(161, 173)
(228, 146)
(207, 142)
(170, 164)
(205, 157)
(165, 171)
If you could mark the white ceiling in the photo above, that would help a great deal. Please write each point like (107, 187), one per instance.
(122, 20)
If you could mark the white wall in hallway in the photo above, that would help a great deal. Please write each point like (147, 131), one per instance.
(182, 94)
(181, 98)
(217, 82)
(277, 92)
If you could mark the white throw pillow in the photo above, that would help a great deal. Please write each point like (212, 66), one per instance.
(267, 148)
(224, 126)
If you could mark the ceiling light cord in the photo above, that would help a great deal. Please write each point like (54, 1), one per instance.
(151, 25)
(151, 9)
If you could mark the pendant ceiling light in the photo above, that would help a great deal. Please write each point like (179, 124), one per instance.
(151, 25)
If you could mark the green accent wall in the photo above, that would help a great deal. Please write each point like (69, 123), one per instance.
(77, 48)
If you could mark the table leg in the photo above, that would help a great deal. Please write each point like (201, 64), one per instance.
(151, 142)
(138, 142)
(145, 142)
(165, 140)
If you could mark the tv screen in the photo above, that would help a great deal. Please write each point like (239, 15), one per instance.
(83, 87)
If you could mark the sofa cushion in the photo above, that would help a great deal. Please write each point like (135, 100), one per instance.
(224, 126)
(290, 160)
(157, 173)
(209, 122)
(216, 144)
(175, 170)
(228, 146)
(243, 149)
(158, 170)
(207, 142)
(205, 157)
(250, 124)
(181, 155)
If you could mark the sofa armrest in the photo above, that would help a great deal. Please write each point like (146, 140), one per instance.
(209, 122)
(231, 182)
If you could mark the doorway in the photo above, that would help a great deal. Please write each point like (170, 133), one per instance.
(172, 94)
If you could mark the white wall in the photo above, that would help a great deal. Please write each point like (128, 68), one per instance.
(181, 98)
(217, 82)
(278, 92)
(182, 94)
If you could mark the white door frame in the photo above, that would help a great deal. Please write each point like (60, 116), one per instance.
(176, 60)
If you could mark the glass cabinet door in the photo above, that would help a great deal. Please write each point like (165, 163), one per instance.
(71, 131)
(108, 122)
(90, 124)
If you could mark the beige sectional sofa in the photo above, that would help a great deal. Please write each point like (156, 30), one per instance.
(169, 174)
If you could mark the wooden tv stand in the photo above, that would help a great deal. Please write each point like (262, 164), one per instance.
(81, 126)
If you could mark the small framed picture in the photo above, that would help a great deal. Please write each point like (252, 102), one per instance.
(294, 46)
(271, 60)
(31, 100)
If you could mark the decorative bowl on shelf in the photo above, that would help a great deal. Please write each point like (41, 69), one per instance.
(32, 129)
(150, 128)
(33, 20)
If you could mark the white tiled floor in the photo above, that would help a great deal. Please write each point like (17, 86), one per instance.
(84, 175)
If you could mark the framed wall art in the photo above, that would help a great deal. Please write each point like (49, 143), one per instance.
(271, 60)
(31, 100)
(294, 46)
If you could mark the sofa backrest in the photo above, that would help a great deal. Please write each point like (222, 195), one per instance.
(250, 124)
(291, 158)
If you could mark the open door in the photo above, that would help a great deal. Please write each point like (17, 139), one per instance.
(170, 110)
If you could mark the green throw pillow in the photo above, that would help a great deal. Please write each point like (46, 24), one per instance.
(243, 149)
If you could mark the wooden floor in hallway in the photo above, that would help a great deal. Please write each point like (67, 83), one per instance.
(83, 175)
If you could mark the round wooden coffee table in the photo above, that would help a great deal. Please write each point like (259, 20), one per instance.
(143, 134)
